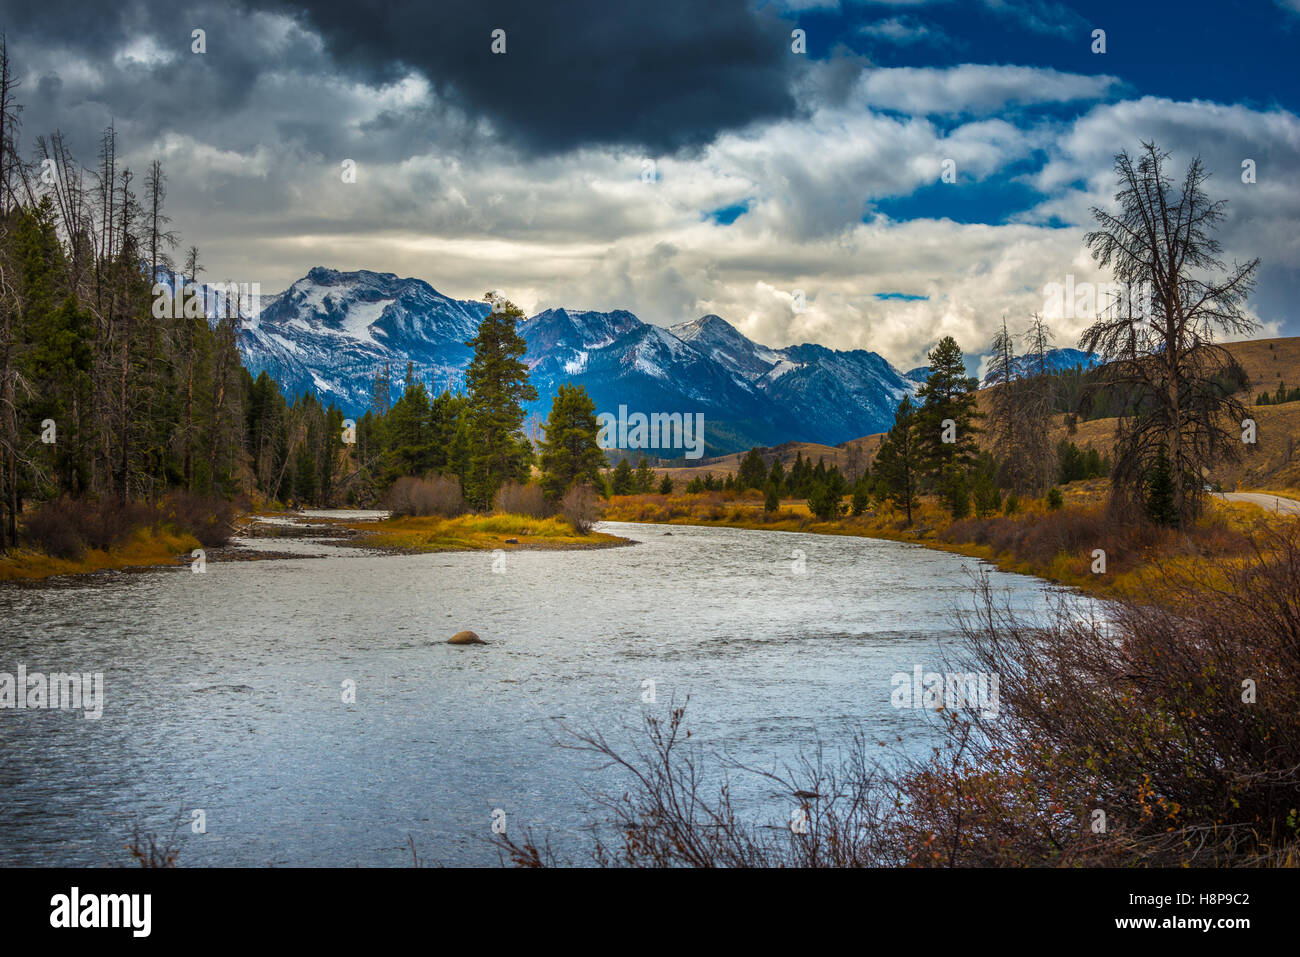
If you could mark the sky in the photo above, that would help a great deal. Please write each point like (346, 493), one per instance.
(677, 158)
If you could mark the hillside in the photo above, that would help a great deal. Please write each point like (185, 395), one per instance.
(1274, 463)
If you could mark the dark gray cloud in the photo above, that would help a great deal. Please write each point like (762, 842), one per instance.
(132, 65)
(657, 76)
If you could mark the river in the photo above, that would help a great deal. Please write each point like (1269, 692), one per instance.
(224, 692)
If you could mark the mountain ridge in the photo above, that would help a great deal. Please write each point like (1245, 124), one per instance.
(331, 332)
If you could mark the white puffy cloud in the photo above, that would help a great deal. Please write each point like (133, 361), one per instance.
(976, 88)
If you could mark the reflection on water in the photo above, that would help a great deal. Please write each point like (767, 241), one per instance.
(224, 691)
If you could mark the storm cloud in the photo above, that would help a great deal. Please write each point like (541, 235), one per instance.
(658, 76)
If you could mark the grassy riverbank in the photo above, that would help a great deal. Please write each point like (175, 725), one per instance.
(162, 544)
(68, 536)
(475, 533)
(146, 547)
(1057, 545)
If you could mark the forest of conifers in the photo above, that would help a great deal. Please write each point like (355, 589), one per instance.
(107, 388)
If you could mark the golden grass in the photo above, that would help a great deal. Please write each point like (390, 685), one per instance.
(475, 533)
(147, 547)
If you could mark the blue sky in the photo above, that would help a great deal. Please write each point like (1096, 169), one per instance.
(1246, 53)
(1158, 48)
(678, 159)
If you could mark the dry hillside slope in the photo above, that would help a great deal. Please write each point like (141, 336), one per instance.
(1274, 463)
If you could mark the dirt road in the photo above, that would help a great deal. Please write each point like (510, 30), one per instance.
(1282, 506)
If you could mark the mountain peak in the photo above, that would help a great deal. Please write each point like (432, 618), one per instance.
(333, 331)
(710, 327)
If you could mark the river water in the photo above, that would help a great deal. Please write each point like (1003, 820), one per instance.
(224, 692)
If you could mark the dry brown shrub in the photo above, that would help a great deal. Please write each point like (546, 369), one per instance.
(438, 495)
(580, 508)
(517, 499)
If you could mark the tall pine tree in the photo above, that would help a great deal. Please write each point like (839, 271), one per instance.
(497, 383)
(569, 452)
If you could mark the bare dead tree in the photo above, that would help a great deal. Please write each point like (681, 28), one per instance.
(1157, 335)
(1020, 407)
(9, 122)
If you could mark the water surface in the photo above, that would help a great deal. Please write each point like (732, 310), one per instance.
(224, 689)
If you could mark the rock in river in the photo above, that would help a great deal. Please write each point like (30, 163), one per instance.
(465, 638)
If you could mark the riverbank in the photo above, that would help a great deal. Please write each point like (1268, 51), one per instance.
(147, 547)
(417, 535)
(160, 546)
(1059, 545)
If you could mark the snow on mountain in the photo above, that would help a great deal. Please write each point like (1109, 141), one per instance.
(1054, 360)
(331, 332)
(847, 394)
(649, 369)
(717, 338)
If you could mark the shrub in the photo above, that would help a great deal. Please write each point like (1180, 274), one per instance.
(1054, 498)
(53, 529)
(209, 518)
(519, 499)
(106, 524)
(66, 527)
(823, 502)
(439, 495)
(1144, 713)
(580, 508)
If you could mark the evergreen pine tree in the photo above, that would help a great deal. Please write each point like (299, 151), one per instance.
(570, 454)
(623, 481)
(900, 459)
(948, 413)
(752, 472)
(777, 475)
(497, 383)
(644, 479)
(1160, 504)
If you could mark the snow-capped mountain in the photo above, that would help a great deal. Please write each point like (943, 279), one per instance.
(725, 343)
(622, 361)
(1059, 360)
(847, 394)
(1054, 360)
(332, 332)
